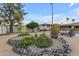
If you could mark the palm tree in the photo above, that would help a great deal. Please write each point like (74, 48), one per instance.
(67, 19)
(73, 20)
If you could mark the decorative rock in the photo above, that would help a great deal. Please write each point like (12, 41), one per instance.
(14, 42)
(45, 51)
(64, 51)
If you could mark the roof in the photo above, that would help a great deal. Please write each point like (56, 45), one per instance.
(49, 24)
(69, 24)
(66, 25)
(45, 24)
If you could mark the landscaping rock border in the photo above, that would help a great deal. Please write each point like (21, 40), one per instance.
(64, 51)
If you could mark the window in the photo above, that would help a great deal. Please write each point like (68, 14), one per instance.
(76, 26)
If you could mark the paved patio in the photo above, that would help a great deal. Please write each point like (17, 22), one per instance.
(5, 49)
(74, 44)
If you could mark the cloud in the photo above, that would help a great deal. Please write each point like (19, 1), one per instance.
(39, 19)
(72, 14)
(57, 18)
(46, 19)
(61, 19)
(71, 4)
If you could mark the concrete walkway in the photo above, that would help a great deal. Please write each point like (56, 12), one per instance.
(74, 44)
(5, 49)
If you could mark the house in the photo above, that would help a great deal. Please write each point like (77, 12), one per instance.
(42, 27)
(4, 28)
(65, 27)
(76, 26)
(45, 27)
(58, 27)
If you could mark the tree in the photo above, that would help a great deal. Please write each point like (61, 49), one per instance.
(32, 25)
(12, 13)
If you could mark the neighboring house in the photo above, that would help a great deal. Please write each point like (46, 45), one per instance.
(75, 26)
(45, 27)
(31, 30)
(65, 27)
(4, 29)
(42, 27)
(16, 27)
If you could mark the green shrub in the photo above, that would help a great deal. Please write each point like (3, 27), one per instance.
(39, 41)
(26, 42)
(43, 42)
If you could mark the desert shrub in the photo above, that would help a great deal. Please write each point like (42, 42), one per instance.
(22, 29)
(23, 34)
(54, 31)
(55, 28)
(43, 41)
(26, 42)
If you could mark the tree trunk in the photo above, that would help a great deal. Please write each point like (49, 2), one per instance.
(11, 26)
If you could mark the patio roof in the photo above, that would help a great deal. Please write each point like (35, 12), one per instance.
(66, 25)
(70, 24)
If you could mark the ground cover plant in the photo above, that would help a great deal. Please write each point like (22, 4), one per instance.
(26, 42)
(41, 41)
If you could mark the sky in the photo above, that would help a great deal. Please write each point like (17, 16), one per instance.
(63, 10)
(38, 12)
(42, 12)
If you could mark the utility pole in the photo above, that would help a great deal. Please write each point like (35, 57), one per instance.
(51, 18)
(52, 11)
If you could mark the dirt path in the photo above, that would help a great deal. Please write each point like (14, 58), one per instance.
(74, 44)
(5, 49)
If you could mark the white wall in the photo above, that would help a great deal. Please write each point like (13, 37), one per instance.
(15, 29)
(0, 30)
(44, 27)
(3, 29)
